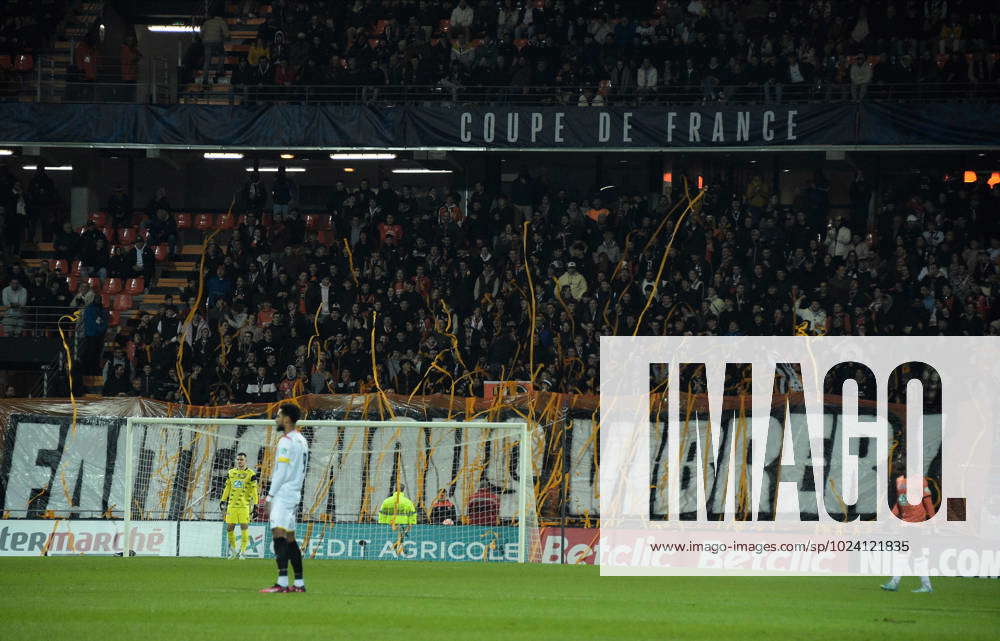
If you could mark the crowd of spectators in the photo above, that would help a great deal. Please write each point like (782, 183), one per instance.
(712, 50)
(292, 302)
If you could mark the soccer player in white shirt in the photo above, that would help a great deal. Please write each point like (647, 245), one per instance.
(291, 461)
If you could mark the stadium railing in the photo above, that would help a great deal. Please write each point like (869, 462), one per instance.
(49, 81)
(571, 95)
(37, 320)
(155, 89)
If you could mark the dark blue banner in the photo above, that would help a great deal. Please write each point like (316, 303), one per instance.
(272, 125)
(281, 126)
(949, 124)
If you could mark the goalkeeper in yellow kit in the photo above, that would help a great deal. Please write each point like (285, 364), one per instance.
(238, 498)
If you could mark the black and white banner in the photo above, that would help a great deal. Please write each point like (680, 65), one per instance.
(52, 469)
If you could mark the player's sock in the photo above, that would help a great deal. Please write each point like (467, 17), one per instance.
(231, 535)
(281, 557)
(244, 540)
(295, 558)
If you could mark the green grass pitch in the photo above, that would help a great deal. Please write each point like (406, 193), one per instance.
(78, 598)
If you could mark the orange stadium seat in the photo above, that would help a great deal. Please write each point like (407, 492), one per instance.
(25, 62)
(226, 221)
(99, 217)
(94, 282)
(61, 266)
(122, 302)
(204, 222)
(127, 235)
(135, 286)
(312, 221)
(109, 233)
(183, 221)
(77, 265)
(112, 286)
(162, 252)
(114, 318)
(72, 284)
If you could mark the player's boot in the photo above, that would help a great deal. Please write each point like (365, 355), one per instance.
(923, 589)
(241, 555)
(890, 587)
(296, 588)
(232, 554)
(274, 589)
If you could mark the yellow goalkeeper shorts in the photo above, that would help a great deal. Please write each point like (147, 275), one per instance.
(238, 515)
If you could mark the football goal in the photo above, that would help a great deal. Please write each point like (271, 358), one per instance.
(391, 490)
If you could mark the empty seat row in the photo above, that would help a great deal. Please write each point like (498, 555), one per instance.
(110, 286)
(206, 222)
(117, 302)
(200, 222)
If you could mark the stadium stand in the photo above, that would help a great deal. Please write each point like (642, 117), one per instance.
(444, 274)
(633, 52)
(567, 52)
(443, 281)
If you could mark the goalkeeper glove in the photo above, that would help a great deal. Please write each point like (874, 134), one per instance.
(222, 506)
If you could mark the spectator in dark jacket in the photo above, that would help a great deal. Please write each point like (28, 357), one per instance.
(157, 202)
(261, 387)
(140, 261)
(96, 258)
(219, 286)
(282, 193)
(66, 243)
(263, 78)
(95, 325)
(798, 76)
(119, 208)
(118, 384)
(443, 509)
(522, 197)
(242, 77)
(163, 229)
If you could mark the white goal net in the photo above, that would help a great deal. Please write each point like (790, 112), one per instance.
(470, 484)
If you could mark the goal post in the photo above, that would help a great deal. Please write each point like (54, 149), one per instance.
(470, 482)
